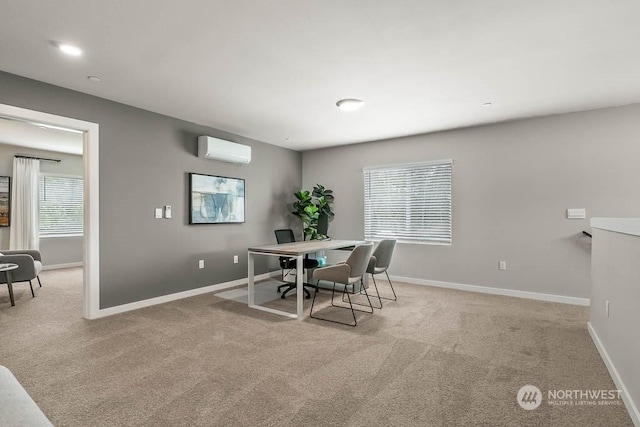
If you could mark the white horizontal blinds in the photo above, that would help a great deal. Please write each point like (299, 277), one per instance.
(61, 207)
(410, 203)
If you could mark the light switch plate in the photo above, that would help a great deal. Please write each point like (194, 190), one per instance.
(158, 213)
(167, 211)
(576, 213)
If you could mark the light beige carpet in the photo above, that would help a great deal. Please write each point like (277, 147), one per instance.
(435, 357)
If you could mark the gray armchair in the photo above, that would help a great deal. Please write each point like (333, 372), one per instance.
(29, 263)
(379, 263)
(347, 273)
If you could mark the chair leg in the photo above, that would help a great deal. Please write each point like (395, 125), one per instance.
(282, 286)
(314, 300)
(291, 286)
(395, 297)
(283, 274)
(367, 295)
(355, 322)
(31, 286)
(353, 292)
(353, 313)
(289, 289)
(375, 285)
(333, 292)
(39, 282)
(377, 294)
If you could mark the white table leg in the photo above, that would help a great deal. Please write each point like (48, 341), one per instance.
(300, 286)
(250, 277)
(251, 290)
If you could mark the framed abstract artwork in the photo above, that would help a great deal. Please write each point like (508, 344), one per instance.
(5, 201)
(215, 199)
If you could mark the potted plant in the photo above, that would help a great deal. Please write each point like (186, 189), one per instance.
(314, 210)
(324, 200)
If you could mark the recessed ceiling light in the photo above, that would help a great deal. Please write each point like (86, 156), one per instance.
(350, 104)
(94, 78)
(487, 104)
(70, 50)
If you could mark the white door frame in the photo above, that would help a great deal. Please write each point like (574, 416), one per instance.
(91, 235)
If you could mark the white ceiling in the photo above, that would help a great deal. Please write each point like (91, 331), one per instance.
(29, 135)
(274, 69)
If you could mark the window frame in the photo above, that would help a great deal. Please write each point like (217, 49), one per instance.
(422, 240)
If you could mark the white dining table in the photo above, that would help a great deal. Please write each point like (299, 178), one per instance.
(295, 250)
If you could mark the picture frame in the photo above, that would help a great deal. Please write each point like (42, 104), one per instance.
(216, 199)
(5, 201)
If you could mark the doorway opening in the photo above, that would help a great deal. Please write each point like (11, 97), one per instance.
(87, 132)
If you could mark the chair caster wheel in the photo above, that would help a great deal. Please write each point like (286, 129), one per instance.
(308, 297)
(282, 297)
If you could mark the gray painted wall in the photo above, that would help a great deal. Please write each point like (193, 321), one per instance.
(512, 184)
(615, 278)
(145, 159)
(60, 251)
(54, 250)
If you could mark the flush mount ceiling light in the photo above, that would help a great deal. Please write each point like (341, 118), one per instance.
(350, 104)
(70, 50)
(487, 104)
(94, 78)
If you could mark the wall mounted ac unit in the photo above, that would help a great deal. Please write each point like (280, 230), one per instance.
(225, 151)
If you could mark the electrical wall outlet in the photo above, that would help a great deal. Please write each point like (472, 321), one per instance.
(502, 265)
(158, 213)
(167, 211)
(235, 259)
(201, 264)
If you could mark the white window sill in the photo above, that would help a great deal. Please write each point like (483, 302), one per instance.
(54, 236)
(412, 242)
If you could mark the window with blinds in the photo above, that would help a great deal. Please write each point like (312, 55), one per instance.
(410, 203)
(61, 207)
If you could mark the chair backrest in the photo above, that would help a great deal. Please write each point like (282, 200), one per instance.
(383, 253)
(285, 236)
(359, 259)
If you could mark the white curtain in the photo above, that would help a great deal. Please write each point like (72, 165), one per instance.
(24, 204)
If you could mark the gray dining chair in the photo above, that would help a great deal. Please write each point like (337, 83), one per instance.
(347, 273)
(379, 263)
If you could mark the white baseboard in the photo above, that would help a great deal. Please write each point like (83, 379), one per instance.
(59, 266)
(626, 398)
(496, 291)
(104, 312)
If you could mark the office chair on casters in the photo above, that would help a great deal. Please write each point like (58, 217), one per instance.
(348, 273)
(379, 263)
(287, 236)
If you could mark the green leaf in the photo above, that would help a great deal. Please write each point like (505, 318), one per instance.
(310, 205)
